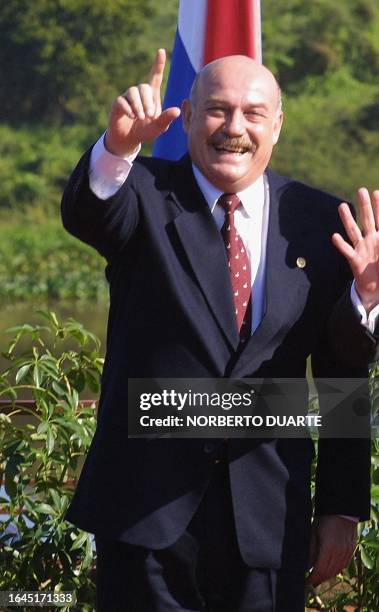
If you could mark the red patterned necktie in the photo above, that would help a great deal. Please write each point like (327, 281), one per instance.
(239, 266)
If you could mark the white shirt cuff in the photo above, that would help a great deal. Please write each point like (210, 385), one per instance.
(108, 172)
(368, 320)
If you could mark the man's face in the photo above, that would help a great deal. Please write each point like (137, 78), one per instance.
(233, 123)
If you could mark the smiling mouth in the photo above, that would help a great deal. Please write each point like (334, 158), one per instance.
(230, 149)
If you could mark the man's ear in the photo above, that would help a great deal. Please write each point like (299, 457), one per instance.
(186, 114)
(277, 127)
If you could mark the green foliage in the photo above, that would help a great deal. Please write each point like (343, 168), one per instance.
(330, 135)
(40, 261)
(320, 38)
(35, 162)
(40, 458)
(66, 59)
(326, 57)
(357, 586)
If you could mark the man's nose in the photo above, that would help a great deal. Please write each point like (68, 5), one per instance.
(234, 123)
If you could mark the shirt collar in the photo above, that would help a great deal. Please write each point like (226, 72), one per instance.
(249, 197)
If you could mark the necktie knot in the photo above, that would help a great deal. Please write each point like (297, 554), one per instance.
(229, 202)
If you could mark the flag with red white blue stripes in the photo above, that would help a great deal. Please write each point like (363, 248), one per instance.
(207, 30)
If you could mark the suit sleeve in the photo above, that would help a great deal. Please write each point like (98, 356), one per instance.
(106, 225)
(344, 351)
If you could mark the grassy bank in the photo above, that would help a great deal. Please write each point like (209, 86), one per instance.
(39, 261)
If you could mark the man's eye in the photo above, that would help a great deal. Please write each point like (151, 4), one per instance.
(216, 109)
(254, 114)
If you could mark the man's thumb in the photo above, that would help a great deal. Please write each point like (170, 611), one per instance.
(165, 119)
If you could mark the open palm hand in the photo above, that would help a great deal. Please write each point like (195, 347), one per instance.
(363, 252)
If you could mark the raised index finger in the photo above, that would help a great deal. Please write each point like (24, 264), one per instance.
(156, 72)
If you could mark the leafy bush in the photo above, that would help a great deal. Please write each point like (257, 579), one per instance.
(330, 134)
(40, 458)
(39, 260)
(358, 585)
(35, 162)
(45, 263)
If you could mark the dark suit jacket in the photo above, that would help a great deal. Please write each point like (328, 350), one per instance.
(172, 315)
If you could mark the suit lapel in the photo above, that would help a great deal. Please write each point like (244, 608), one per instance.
(204, 248)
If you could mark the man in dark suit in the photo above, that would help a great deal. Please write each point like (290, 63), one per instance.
(219, 524)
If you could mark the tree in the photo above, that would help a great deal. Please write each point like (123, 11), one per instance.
(326, 56)
(319, 38)
(65, 59)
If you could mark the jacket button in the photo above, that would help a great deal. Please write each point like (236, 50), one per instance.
(209, 448)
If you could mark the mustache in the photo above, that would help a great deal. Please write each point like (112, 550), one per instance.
(238, 143)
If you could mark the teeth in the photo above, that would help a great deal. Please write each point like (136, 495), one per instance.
(240, 151)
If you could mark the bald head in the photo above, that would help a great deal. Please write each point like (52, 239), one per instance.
(233, 119)
(244, 65)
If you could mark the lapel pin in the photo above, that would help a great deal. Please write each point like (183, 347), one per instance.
(301, 262)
